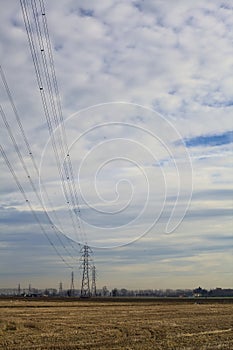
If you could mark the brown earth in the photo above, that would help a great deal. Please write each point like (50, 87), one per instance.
(136, 325)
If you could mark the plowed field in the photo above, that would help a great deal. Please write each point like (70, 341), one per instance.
(115, 325)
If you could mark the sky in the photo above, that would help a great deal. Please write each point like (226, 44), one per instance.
(146, 93)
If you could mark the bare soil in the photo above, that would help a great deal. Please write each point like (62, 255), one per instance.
(127, 325)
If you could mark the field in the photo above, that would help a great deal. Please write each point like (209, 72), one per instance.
(139, 325)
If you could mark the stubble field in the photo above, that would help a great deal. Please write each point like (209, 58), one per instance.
(136, 325)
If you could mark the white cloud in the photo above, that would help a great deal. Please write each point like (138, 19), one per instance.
(173, 57)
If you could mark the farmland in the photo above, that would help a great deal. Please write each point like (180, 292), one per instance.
(120, 324)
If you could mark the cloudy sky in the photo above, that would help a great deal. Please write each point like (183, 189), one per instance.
(146, 93)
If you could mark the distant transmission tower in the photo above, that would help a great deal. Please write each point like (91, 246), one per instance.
(93, 281)
(60, 288)
(72, 284)
(85, 259)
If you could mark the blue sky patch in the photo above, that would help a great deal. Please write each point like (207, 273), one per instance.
(86, 12)
(210, 140)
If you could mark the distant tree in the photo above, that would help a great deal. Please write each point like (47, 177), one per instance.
(115, 292)
(123, 292)
(200, 292)
(105, 291)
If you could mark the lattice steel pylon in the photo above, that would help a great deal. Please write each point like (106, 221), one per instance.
(85, 259)
(60, 289)
(93, 281)
(72, 284)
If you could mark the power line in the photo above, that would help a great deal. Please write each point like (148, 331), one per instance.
(27, 172)
(17, 116)
(29, 204)
(39, 41)
(38, 70)
(58, 98)
(46, 79)
(60, 113)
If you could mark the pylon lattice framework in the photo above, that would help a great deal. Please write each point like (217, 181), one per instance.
(93, 284)
(85, 259)
(72, 284)
(60, 288)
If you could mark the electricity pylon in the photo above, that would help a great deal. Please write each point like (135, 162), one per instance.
(60, 289)
(93, 281)
(85, 259)
(72, 284)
